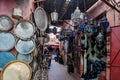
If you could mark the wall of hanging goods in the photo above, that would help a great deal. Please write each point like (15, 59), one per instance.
(93, 44)
(70, 48)
(17, 39)
(85, 47)
(21, 42)
(66, 35)
(40, 19)
(10, 58)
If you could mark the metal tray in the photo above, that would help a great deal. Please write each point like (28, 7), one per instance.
(5, 58)
(24, 29)
(41, 18)
(16, 70)
(7, 41)
(5, 23)
(25, 46)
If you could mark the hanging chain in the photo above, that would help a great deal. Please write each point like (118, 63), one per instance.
(55, 5)
(77, 3)
(84, 5)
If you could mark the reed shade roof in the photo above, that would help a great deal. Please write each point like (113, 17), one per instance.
(61, 7)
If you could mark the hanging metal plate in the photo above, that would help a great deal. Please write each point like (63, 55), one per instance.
(7, 41)
(25, 47)
(25, 57)
(24, 29)
(17, 70)
(5, 58)
(5, 23)
(41, 19)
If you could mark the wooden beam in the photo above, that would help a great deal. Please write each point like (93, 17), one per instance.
(68, 23)
(64, 9)
(110, 5)
(39, 1)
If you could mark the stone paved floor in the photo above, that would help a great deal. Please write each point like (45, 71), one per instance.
(59, 72)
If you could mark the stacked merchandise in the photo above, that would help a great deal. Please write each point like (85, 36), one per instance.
(93, 43)
(16, 51)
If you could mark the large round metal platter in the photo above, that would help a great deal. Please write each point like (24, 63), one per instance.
(7, 41)
(25, 47)
(5, 58)
(41, 19)
(17, 70)
(25, 57)
(24, 29)
(5, 23)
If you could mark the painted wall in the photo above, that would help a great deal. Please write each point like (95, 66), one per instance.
(100, 7)
(6, 7)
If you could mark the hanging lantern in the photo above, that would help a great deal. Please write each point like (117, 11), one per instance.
(54, 16)
(77, 16)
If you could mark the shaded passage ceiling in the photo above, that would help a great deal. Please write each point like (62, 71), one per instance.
(51, 5)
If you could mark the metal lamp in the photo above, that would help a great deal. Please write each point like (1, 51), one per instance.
(77, 16)
(54, 16)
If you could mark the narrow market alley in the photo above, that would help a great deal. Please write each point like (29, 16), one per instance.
(59, 72)
(59, 39)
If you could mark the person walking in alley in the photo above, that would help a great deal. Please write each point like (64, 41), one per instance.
(49, 61)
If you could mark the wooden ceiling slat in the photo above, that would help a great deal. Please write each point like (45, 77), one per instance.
(65, 8)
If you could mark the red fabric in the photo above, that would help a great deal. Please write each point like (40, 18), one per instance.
(55, 46)
(115, 52)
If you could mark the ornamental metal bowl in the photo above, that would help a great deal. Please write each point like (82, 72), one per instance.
(25, 57)
(24, 29)
(41, 19)
(5, 23)
(5, 58)
(7, 41)
(17, 70)
(25, 47)
(17, 13)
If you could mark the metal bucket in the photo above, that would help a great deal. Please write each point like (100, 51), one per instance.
(5, 23)
(24, 29)
(7, 41)
(17, 70)
(25, 47)
(5, 58)
(41, 18)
